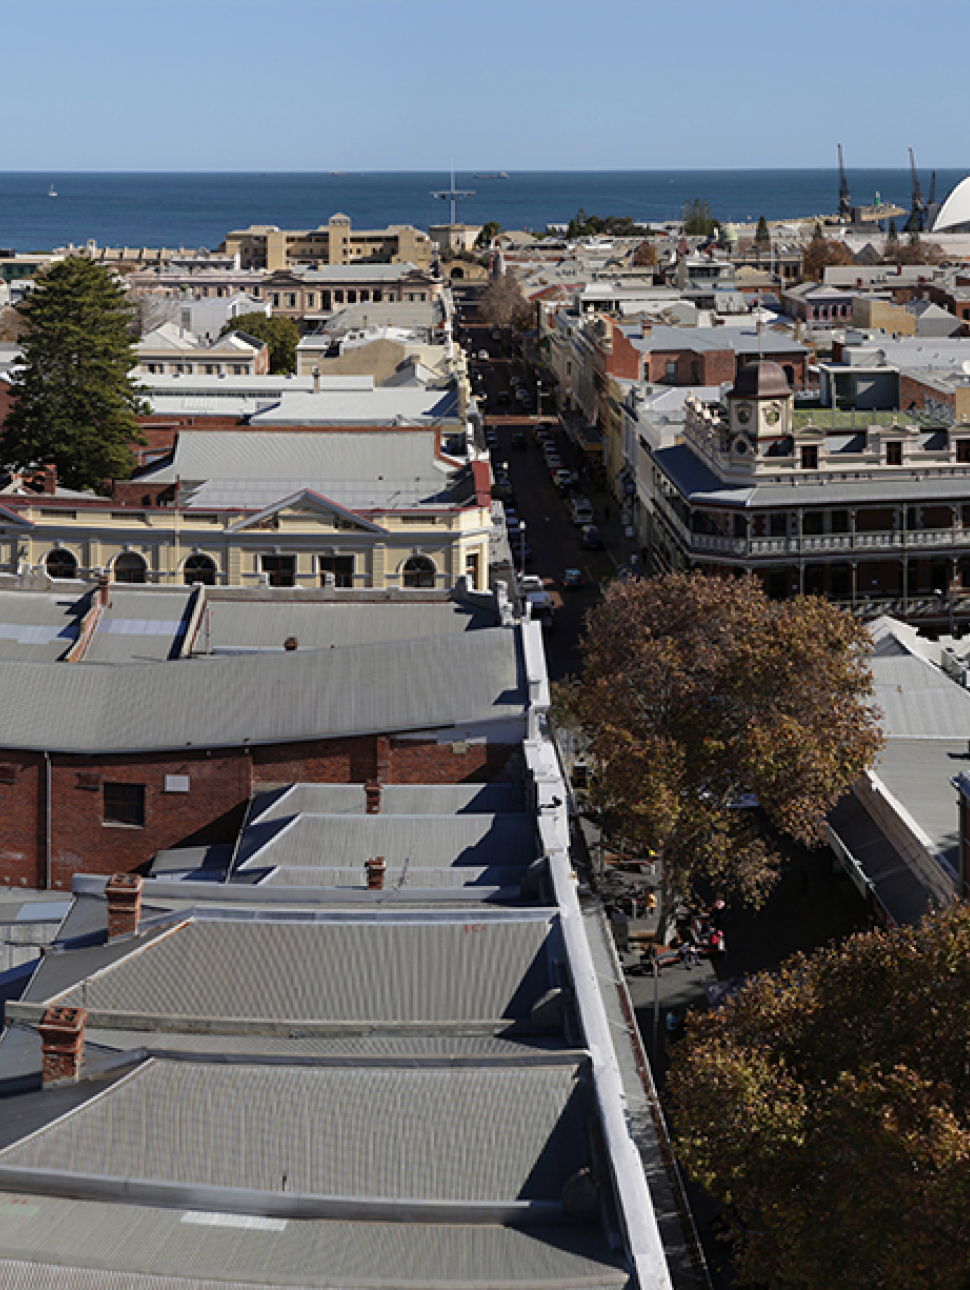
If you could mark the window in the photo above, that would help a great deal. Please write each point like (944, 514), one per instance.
(341, 566)
(810, 458)
(963, 450)
(812, 523)
(671, 369)
(281, 569)
(199, 568)
(129, 567)
(894, 454)
(418, 571)
(61, 564)
(124, 804)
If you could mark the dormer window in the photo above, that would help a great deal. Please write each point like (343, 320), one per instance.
(810, 457)
(894, 454)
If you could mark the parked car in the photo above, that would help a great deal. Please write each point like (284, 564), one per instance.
(592, 538)
(554, 462)
(574, 579)
(563, 479)
(580, 512)
(483, 355)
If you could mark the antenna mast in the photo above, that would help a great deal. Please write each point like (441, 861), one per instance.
(845, 200)
(453, 194)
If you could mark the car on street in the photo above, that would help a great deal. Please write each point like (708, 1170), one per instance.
(591, 538)
(581, 512)
(483, 355)
(563, 479)
(574, 579)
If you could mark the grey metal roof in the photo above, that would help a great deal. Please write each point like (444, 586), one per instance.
(264, 698)
(51, 1243)
(373, 1044)
(381, 406)
(140, 626)
(396, 799)
(918, 773)
(280, 458)
(392, 970)
(893, 880)
(919, 701)
(452, 1133)
(345, 842)
(245, 625)
(696, 481)
(39, 627)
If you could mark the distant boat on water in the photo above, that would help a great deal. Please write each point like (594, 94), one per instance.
(52, 192)
(494, 174)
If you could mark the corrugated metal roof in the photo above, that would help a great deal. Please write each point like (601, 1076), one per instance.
(404, 454)
(396, 799)
(919, 701)
(264, 698)
(458, 1134)
(387, 971)
(39, 627)
(50, 1243)
(382, 406)
(141, 626)
(345, 842)
(242, 624)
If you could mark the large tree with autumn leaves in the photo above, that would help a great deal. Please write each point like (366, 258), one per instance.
(828, 1107)
(698, 693)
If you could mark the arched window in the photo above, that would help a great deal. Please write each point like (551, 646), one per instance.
(61, 564)
(199, 568)
(418, 571)
(129, 567)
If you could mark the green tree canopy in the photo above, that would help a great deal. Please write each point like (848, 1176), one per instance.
(698, 691)
(762, 234)
(74, 402)
(583, 225)
(281, 335)
(698, 220)
(828, 1107)
(491, 228)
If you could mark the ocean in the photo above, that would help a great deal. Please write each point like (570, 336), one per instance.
(195, 210)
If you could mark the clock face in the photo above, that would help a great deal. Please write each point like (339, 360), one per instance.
(744, 413)
(773, 414)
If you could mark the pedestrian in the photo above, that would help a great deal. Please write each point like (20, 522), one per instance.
(688, 954)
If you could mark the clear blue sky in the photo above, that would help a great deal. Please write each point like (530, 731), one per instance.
(485, 84)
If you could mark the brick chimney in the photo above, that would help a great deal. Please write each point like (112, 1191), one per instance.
(50, 479)
(291, 644)
(375, 873)
(123, 894)
(373, 791)
(61, 1032)
(104, 590)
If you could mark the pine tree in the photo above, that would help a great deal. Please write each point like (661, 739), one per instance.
(762, 234)
(74, 402)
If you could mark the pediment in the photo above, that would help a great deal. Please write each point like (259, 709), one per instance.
(307, 510)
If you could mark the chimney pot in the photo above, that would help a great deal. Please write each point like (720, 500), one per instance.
(61, 1032)
(372, 789)
(104, 589)
(291, 644)
(123, 894)
(375, 873)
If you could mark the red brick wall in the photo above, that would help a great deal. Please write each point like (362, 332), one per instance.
(219, 787)
(220, 784)
(914, 394)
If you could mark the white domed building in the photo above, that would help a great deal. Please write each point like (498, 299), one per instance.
(954, 215)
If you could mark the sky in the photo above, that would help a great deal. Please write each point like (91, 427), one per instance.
(481, 84)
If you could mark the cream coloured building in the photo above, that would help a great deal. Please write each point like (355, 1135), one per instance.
(264, 246)
(372, 509)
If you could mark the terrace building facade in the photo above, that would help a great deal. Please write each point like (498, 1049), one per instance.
(876, 517)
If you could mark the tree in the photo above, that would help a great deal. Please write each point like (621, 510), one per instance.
(502, 304)
(488, 230)
(74, 402)
(697, 692)
(828, 1107)
(820, 253)
(281, 335)
(698, 220)
(762, 234)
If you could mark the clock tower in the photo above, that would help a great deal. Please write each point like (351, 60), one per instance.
(759, 409)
